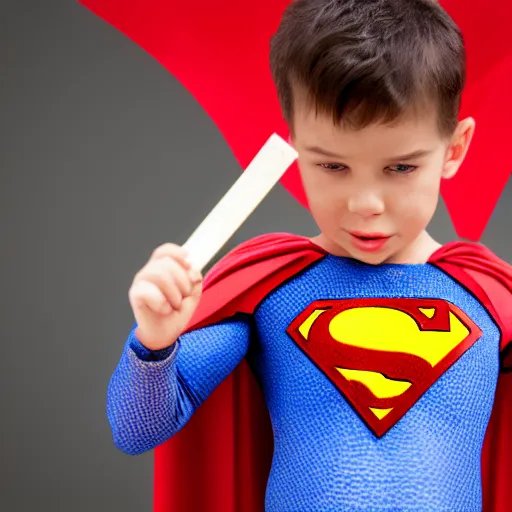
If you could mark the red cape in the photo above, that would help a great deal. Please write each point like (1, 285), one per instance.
(220, 460)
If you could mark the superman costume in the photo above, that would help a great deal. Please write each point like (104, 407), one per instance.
(380, 382)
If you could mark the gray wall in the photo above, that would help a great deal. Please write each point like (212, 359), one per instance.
(103, 157)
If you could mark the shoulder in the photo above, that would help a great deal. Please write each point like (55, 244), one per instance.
(474, 259)
(486, 275)
(242, 278)
(268, 250)
(466, 251)
(271, 241)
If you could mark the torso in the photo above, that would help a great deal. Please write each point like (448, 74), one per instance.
(331, 451)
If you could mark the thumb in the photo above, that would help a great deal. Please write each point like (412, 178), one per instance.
(197, 290)
(195, 276)
(189, 304)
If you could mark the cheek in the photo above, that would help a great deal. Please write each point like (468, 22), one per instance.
(416, 204)
(321, 191)
(326, 205)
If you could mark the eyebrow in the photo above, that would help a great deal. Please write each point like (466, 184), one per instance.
(324, 152)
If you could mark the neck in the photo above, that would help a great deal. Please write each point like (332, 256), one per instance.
(419, 251)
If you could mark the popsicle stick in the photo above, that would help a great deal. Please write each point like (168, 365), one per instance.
(265, 170)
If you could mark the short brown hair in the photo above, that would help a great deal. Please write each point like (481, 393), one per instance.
(365, 61)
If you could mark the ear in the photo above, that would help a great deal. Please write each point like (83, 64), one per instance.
(458, 147)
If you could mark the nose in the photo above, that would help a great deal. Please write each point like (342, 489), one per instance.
(366, 204)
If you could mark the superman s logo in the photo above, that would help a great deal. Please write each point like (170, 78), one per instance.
(383, 354)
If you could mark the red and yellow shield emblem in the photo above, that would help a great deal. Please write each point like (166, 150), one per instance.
(383, 354)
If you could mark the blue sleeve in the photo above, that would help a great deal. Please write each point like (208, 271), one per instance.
(152, 395)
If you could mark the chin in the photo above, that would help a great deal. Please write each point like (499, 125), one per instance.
(370, 259)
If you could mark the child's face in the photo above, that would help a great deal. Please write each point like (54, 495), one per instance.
(360, 182)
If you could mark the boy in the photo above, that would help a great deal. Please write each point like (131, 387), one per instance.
(378, 359)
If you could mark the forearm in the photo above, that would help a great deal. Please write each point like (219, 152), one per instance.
(151, 396)
(147, 403)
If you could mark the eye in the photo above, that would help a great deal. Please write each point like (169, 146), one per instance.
(333, 167)
(403, 168)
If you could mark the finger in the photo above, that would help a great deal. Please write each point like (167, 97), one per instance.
(180, 277)
(170, 278)
(172, 251)
(195, 276)
(183, 279)
(145, 294)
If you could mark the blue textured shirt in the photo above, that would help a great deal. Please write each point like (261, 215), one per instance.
(326, 457)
